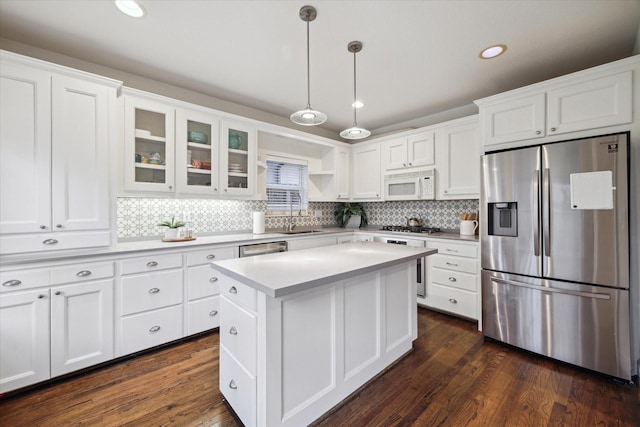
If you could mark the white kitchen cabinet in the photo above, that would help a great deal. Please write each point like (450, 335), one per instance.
(150, 302)
(458, 160)
(343, 173)
(54, 153)
(562, 106)
(365, 172)
(203, 288)
(197, 148)
(149, 146)
(54, 321)
(238, 153)
(408, 152)
(453, 279)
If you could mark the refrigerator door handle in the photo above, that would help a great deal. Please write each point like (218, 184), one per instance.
(547, 214)
(545, 289)
(536, 210)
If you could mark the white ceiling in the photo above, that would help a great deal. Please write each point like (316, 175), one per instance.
(419, 57)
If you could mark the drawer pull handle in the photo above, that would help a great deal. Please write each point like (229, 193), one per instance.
(12, 283)
(213, 313)
(83, 273)
(211, 256)
(213, 279)
(453, 301)
(233, 331)
(152, 264)
(50, 242)
(451, 250)
(233, 385)
(154, 290)
(154, 328)
(233, 290)
(453, 279)
(453, 264)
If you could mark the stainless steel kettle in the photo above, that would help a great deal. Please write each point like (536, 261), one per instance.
(413, 221)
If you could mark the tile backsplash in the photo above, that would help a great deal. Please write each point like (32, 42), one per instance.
(138, 217)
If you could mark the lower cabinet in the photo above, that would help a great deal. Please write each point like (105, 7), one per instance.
(453, 279)
(55, 325)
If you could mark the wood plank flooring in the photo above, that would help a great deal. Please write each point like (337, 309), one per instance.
(452, 378)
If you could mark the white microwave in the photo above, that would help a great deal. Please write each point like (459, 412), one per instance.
(415, 185)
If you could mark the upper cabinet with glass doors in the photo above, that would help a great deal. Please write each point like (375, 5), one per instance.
(238, 159)
(149, 145)
(197, 159)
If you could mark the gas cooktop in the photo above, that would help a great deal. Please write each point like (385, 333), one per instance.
(407, 229)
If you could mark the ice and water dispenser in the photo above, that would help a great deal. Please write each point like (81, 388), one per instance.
(503, 219)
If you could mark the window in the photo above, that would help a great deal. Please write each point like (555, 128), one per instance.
(286, 185)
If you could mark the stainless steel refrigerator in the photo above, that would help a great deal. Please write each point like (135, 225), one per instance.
(555, 251)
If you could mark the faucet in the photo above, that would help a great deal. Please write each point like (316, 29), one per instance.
(291, 225)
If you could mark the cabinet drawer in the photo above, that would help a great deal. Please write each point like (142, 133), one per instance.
(446, 248)
(18, 280)
(454, 279)
(147, 330)
(239, 388)
(455, 301)
(205, 256)
(453, 263)
(48, 242)
(203, 315)
(150, 291)
(203, 282)
(238, 333)
(238, 292)
(151, 263)
(81, 272)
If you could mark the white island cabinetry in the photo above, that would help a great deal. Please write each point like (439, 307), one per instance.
(282, 315)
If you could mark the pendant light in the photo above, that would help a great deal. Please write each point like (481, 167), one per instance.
(308, 116)
(354, 132)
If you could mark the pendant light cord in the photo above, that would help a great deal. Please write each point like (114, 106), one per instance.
(355, 122)
(308, 71)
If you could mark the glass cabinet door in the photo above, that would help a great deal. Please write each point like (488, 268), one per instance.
(239, 157)
(197, 160)
(149, 146)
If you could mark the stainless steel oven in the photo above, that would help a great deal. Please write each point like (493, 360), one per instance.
(420, 262)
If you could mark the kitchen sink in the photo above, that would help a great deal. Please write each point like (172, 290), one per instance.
(301, 231)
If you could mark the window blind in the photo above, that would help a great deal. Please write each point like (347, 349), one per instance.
(286, 185)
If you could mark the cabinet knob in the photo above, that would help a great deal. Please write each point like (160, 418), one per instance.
(58, 293)
(446, 191)
(50, 242)
(215, 189)
(233, 331)
(40, 296)
(233, 385)
(213, 279)
(538, 132)
(225, 189)
(233, 290)
(154, 328)
(453, 301)
(404, 164)
(58, 225)
(154, 290)
(553, 129)
(212, 313)
(211, 256)
(83, 273)
(12, 283)
(152, 264)
(43, 227)
(452, 279)
(170, 187)
(410, 164)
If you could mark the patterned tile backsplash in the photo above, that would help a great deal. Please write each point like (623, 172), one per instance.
(138, 217)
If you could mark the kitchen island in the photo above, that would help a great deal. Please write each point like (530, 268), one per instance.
(300, 331)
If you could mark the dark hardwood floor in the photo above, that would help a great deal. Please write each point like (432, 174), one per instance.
(452, 378)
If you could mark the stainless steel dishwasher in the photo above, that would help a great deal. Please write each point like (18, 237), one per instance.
(262, 249)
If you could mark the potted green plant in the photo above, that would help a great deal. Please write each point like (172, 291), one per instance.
(171, 230)
(351, 215)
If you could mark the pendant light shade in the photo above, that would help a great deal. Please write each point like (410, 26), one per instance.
(308, 116)
(354, 132)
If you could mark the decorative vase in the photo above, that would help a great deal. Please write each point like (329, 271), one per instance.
(354, 222)
(171, 233)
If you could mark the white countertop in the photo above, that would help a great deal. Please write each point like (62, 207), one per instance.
(284, 273)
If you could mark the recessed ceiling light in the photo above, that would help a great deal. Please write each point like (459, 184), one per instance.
(493, 51)
(131, 8)
(358, 104)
